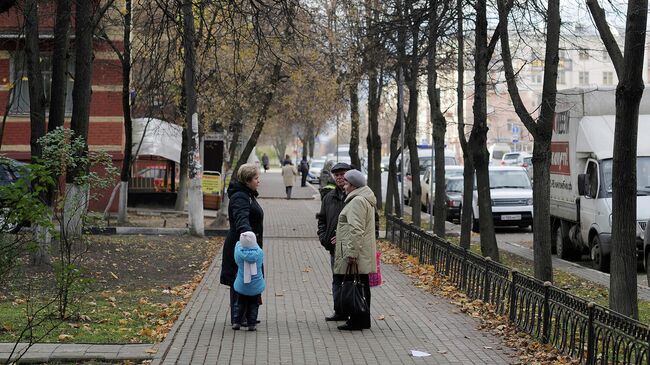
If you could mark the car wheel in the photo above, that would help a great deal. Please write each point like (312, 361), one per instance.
(600, 261)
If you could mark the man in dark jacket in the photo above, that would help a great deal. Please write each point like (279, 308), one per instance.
(331, 205)
(304, 170)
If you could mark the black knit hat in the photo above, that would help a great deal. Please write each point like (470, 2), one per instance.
(341, 166)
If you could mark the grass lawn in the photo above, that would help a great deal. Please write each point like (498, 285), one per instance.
(135, 287)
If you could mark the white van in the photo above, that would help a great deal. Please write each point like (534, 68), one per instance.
(512, 198)
(424, 155)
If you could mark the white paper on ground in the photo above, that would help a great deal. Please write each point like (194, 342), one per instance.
(416, 353)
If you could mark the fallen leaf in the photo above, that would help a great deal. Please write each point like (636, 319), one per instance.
(381, 318)
(64, 337)
(279, 294)
(306, 269)
(151, 351)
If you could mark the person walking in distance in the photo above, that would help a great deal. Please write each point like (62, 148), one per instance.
(332, 202)
(265, 162)
(289, 174)
(356, 240)
(304, 170)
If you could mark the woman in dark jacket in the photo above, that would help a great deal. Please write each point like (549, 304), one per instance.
(244, 214)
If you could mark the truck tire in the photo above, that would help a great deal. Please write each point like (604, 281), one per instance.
(599, 260)
(563, 245)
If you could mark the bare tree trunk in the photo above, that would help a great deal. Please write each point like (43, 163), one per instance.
(181, 195)
(393, 202)
(261, 118)
(478, 136)
(125, 174)
(41, 255)
(195, 194)
(468, 171)
(354, 123)
(374, 139)
(35, 75)
(541, 131)
(60, 55)
(629, 68)
(411, 143)
(77, 196)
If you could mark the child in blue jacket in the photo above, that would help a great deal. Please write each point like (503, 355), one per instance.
(249, 283)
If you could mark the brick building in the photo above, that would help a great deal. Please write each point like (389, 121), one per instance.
(106, 129)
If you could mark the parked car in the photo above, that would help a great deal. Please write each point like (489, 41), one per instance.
(514, 158)
(10, 172)
(428, 191)
(512, 198)
(528, 165)
(454, 197)
(384, 163)
(313, 176)
(425, 159)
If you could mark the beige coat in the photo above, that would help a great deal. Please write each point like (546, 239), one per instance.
(355, 232)
(289, 174)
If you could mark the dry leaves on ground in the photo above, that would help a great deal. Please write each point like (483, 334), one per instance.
(529, 351)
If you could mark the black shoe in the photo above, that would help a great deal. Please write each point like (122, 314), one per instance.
(336, 317)
(236, 326)
(252, 328)
(347, 327)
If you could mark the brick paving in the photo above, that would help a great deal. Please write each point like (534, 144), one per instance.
(298, 297)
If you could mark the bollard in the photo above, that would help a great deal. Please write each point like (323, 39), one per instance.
(463, 269)
(546, 316)
(486, 280)
(591, 333)
(513, 297)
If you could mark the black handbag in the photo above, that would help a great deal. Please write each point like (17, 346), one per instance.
(352, 299)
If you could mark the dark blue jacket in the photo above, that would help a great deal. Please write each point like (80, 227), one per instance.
(244, 214)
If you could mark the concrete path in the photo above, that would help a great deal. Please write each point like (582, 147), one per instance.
(298, 297)
(49, 352)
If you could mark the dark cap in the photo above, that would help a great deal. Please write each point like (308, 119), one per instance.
(341, 166)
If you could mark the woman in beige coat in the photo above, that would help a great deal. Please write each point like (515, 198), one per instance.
(355, 239)
(289, 173)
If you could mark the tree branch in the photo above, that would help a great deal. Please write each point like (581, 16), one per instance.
(5, 5)
(606, 35)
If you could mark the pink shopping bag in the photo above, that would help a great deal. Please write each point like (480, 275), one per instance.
(375, 278)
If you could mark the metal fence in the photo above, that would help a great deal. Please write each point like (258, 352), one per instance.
(583, 330)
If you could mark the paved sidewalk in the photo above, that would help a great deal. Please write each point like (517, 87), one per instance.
(298, 297)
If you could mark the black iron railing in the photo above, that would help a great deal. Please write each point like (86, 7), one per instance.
(583, 330)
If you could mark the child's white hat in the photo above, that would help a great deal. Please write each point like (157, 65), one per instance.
(248, 239)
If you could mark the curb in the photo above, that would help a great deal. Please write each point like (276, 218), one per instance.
(40, 353)
(148, 231)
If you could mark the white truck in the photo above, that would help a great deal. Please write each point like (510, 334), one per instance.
(581, 174)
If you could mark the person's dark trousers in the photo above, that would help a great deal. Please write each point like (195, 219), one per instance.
(233, 304)
(303, 180)
(246, 309)
(336, 284)
(288, 190)
(361, 321)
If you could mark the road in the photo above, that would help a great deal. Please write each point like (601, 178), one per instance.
(523, 237)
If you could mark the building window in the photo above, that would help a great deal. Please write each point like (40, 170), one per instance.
(536, 78)
(583, 78)
(608, 78)
(20, 99)
(583, 54)
(605, 55)
(561, 77)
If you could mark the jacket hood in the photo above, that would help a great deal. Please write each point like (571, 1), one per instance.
(235, 187)
(364, 192)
